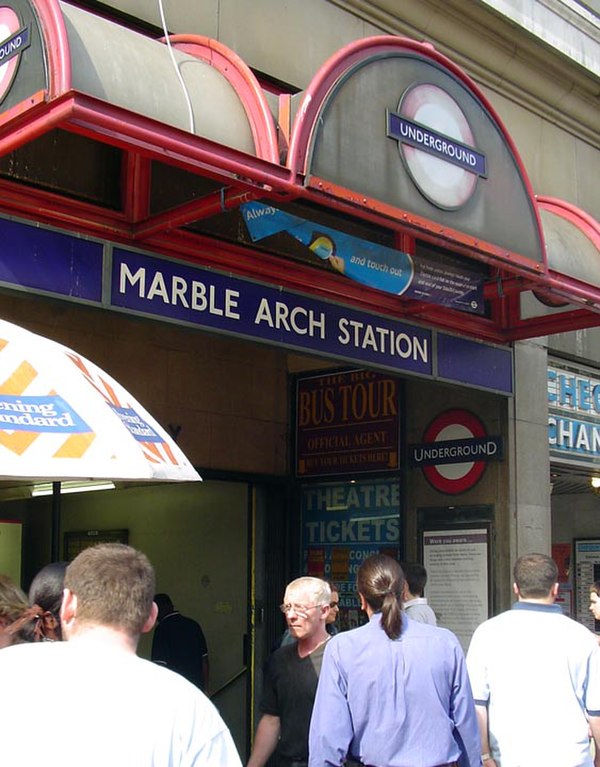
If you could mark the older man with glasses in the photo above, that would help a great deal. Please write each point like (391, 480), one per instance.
(292, 676)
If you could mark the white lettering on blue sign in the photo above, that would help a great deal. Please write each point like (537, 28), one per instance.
(435, 143)
(574, 419)
(364, 335)
(296, 319)
(350, 497)
(48, 413)
(474, 449)
(572, 392)
(353, 530)
(14, 45)
(574, 436)
(176, 290)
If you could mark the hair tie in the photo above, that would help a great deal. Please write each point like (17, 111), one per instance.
(45, 624)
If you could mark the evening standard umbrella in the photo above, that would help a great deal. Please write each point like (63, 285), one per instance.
(63, 418)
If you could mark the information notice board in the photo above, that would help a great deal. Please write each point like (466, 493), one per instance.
(457, 564)
(587, 570)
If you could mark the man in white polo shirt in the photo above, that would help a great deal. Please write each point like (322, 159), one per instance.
(535, 676)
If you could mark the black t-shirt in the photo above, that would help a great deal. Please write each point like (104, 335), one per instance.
(179, 644)
(289, 693)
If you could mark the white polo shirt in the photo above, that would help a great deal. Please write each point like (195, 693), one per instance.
(538, 673)
(83, 704)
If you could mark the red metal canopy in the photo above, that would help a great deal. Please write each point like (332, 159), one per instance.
(223, 144)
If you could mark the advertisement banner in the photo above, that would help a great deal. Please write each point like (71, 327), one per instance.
(424, 278)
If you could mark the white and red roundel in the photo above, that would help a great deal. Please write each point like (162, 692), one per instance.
(9, 26)
(453, 478)
(445, 184)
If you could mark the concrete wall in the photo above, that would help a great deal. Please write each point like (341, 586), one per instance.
(178, 375)
(424, 402)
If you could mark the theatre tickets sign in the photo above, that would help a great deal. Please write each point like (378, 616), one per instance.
(344, 523)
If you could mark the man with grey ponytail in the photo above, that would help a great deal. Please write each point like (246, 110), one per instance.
(394, 691)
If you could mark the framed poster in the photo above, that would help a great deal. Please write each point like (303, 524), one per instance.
(457, 564)
(75, 542)
(347, 423)
(586, 554)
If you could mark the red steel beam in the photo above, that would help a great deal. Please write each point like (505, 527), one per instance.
(194, 210)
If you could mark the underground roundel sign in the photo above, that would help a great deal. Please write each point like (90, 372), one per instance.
(13, 40)
(452, 434)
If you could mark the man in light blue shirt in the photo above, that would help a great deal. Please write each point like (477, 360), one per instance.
(536, 678)
(393, 692)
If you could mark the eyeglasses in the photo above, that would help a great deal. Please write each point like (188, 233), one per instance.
(301, 610)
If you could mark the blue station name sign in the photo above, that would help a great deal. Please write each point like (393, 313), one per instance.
(89, 271)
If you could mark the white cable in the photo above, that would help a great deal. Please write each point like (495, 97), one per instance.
(176, 67)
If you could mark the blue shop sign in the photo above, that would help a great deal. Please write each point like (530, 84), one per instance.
(574, 415)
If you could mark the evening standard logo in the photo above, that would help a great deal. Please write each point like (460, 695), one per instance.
(44, 414)
(136, 425)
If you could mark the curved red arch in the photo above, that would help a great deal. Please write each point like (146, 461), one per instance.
(245, 84)
(338, 65)
(56, 44)
(579, 218)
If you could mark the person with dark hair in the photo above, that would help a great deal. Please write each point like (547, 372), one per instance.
(40, 621)
(13, 603)
(595, 600)
(179, 643)
(528, 664)
(414, 601)
(394, 691)
(113, 707)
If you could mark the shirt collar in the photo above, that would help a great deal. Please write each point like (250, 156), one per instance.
(415, 601)
(537, 607)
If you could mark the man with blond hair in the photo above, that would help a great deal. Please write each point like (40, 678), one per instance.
(92, 695)
(292, 676)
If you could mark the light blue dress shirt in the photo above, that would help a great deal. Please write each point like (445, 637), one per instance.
(394, 703)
